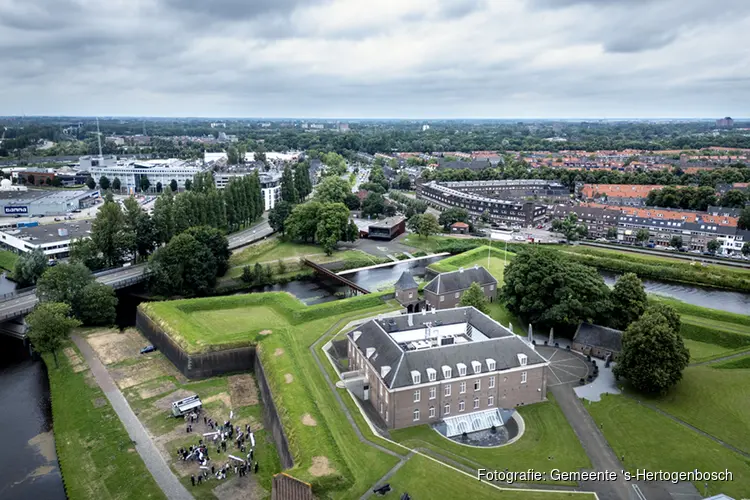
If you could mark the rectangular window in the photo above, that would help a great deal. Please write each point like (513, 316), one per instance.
(492, 287)
(432, 412)
(492, 382)
(491, 401)
(462, 388)
(523, 377)
(411, 294)
(447, 410)
(461, 406)
(416, 415)
(456, 296)
(381, 391)
(442, 298)
(417, 396)
(433, 392)
(386, 397)
(477, 384)
(381, 408)
(448, 390)
(476, 403)
(386, 415)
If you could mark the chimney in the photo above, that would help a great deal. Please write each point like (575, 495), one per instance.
(531, 333)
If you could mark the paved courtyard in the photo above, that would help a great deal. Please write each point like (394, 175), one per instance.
(566, 367)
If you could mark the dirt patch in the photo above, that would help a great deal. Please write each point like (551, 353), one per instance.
(155, 391)
(111, 346)
(99, 402)
(309, 421)
(278, 352)
(165, 403)
(129, 376)
(88, 377)
(265, 332)
(288, 378)
(243, 390)
(240, 488)
(321, 467)
(222, 396)
(75, 360)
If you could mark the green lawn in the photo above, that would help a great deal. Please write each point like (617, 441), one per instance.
(715, 401)
(97, 457)
(478, 256)
(547, 434)
(734, 364)
(424, 479)
(272, 250)
(702, 351)
(238, 323)
(652, 441)
(8, 260)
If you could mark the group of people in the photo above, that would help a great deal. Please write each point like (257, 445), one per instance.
(219, 435)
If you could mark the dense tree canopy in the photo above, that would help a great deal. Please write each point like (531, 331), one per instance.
(653, 354)
(453, 215)
(628, 299)
(332, 190)
(184, 266)
(29, 267)
(570, 227)
(424, 225)
(73, 284)
(324, 223)
(49, 326)
(288, 186)
(543, 288)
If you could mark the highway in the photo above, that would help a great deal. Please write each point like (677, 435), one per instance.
(250, 235)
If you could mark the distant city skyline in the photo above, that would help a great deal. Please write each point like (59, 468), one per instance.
(394, 59)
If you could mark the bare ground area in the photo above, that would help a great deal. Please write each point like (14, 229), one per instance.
(266, 332)
(75, 360)
(150, 392)
(321, 467)
(165, 403)
(288, 378)
(308, 420)
(129, 376)
(278, 352)
(240, 488)
(243, 390)
(111, 346)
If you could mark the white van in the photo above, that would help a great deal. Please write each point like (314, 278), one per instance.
(184, 406)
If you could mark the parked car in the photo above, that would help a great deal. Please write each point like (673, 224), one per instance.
(148, 349)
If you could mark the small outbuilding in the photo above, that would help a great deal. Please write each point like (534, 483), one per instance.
(407, 292)
(598, 341)
(459, 228)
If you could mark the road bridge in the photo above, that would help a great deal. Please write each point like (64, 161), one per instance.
(330, 274)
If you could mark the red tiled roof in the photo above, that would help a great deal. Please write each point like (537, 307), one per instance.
(619, 190)
(667, 214)
(460, 225)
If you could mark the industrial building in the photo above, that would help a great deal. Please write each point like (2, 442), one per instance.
(131, 172)
(42, 203)
(53, 239)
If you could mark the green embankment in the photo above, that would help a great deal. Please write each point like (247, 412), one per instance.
(8, 260)
(96, 455)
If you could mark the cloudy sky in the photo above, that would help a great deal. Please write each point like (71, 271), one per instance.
(376, 58)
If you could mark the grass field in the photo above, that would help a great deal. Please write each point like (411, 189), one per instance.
(272, 250)
(478, 257)
(96, 455)
(734, 364)
(8, 260)
(547, 434)
(652, 441)
(424, 479)
(702, 351)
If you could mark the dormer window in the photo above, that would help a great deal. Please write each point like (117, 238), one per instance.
(476, 366)
(447, 371)
(416, 377)
(522, 359)
(491, 365)
(369, 352)
(431, 374)
(461, 369)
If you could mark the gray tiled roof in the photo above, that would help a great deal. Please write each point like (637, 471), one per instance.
(406, 282)
(503, 346)
(460, 280)
(599, 336)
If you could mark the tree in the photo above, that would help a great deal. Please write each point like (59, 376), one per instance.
(188, 185)
(642, 235)
(303, 221)
(277, 216)
(173, 185)
(653, 354)
(91, 183)
(281, 267)
(98, 305)
(84, 251)
(424, 225)
(164, 217)
(111, 236)
(611, 233)
(474, 297)
(145, 183)
(746, 249)
(288, 187)
(158, 187)
(49, 325)
(104, 182)
(744, 220)
(570, 228)
(373, 205)
(116, 184)
(183, 266)
(29, 267)
(64, 283)
(733, 199)
(669, 312)
(352, 202)
(453, 215)
(628, 301)
(676, 242)
(302, 180)
(333, 220)
(216, 242)
(332, 190)
(541, 287)
(713, 246)
(403, 181)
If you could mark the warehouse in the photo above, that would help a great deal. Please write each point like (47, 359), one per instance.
(42, 203)
(53, 239)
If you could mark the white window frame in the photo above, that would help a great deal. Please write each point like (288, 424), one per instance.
(447, 390)
(461, 406)
(462, 388)
(442, 298)
(432, 412)
(461, 370)
(456, 295)
(433, 392)
(477, 385)
(491, 401)
(523, 377)
(447, 409)
(417, 395)
(386, 397)
(431, 374)
(491, 382)
(476, 403)
(416, 415)
(386, 414)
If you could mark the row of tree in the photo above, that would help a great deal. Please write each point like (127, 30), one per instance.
(694, 198)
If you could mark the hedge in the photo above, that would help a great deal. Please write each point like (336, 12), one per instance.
(729, 340)
(704, 312)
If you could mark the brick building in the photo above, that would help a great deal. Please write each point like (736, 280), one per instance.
(427, 367)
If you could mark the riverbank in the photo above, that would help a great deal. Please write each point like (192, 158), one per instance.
(96, 455)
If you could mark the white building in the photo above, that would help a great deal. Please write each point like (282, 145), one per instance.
(731, 244)
(270, 185)
(131, 172)
(53, 239)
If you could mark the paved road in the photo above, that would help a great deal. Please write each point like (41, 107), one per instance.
(250, 235)
(146, 448)
(676, 255)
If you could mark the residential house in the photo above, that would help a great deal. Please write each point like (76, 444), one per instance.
(446, 289)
